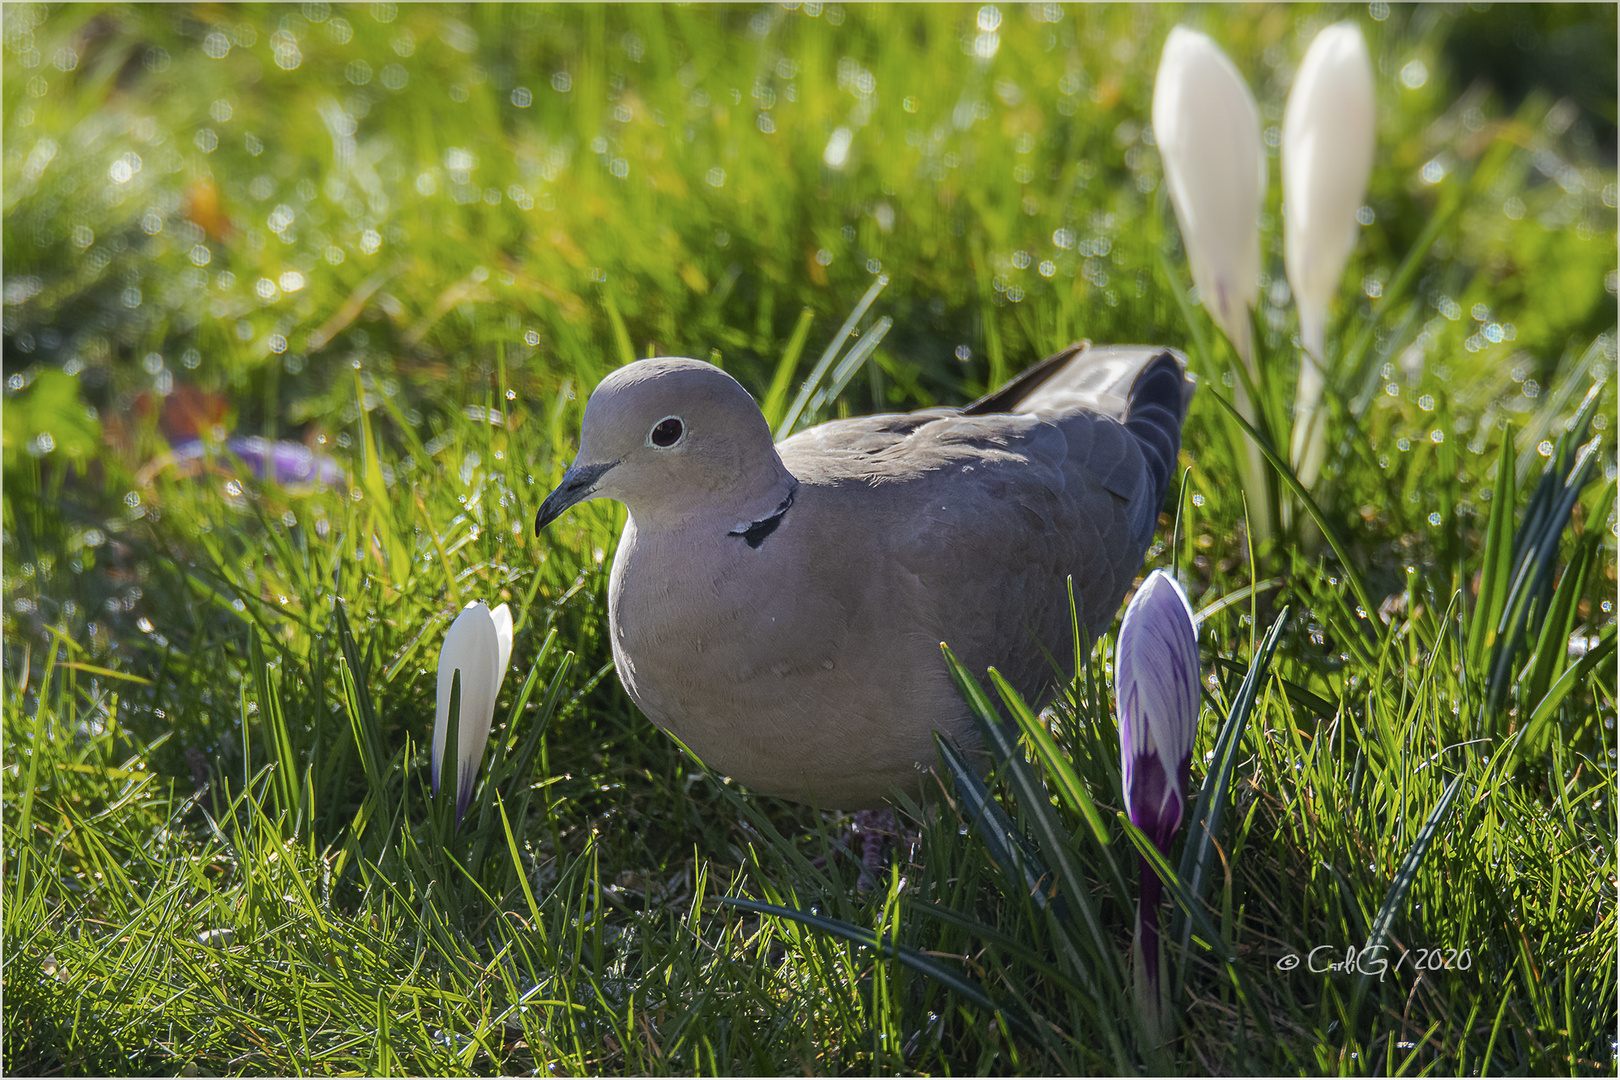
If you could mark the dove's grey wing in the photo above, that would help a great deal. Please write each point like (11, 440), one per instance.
(1146, 389)
(992, 512)
(1010, 526)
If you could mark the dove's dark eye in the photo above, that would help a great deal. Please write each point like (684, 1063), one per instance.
(667, 432)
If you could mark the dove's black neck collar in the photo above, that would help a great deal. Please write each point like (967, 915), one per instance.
(755, 532)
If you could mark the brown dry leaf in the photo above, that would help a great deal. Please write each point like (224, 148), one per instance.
(202, 207)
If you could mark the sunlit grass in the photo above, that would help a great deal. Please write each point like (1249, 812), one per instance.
(414, 237)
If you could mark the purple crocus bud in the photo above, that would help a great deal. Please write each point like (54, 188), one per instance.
(1156, 686)
(1156, 691)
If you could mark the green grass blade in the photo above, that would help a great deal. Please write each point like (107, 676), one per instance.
(285, 784)
(1402, 279)
(1535, 566)
(1000, 940)
(1302, 698)
(1497, 565)
(1199, 853)
(522, 758)
(1573, 434)
(906, 955)
(1236, 596)
(621, 334)
(1178, 292)
(1008, 848)
(36, 742)
(1551, 650)
(497, 768)
(1011, 851)
(1070, 787)
(368, 731)
(364, 736)
(1407, 873)
(510, 776)
(1573, 676)
(1286, 475)
(1184, 899)
(848, 366)
(1054, 843)
(776, 396)
(791, 420)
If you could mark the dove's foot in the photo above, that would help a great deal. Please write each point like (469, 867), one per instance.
(871, 831)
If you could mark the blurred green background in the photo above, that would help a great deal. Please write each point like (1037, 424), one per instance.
(249, 200)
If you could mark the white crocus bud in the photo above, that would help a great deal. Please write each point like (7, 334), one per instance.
(479, 645)
(1327, 154)
(1207, 128)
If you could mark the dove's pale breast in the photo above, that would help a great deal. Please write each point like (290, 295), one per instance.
(808, 666)
(799, 677)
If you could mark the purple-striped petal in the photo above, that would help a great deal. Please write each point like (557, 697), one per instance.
(1156, 687)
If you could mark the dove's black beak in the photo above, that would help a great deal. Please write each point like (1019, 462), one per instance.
(578, 484)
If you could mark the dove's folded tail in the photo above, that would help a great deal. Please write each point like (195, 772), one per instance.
(1158, 405)
(1146, 388)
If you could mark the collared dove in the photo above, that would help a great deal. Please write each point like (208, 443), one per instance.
(779, 607)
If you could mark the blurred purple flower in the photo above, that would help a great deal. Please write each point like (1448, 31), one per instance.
(1156, 691)
(287, 463)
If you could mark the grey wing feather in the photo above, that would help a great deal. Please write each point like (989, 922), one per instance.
(1147, 389)
(992, 511)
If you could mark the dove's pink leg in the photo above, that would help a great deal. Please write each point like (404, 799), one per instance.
(871, 830)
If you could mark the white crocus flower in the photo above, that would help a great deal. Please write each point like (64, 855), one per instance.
(1207, 128)
(479, 645)
(1327, 154)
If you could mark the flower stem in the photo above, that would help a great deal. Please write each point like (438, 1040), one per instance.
(1147, 963)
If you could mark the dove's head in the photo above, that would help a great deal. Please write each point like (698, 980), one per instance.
(672, 438)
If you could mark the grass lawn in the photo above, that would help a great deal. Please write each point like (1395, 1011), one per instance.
(406, 241)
